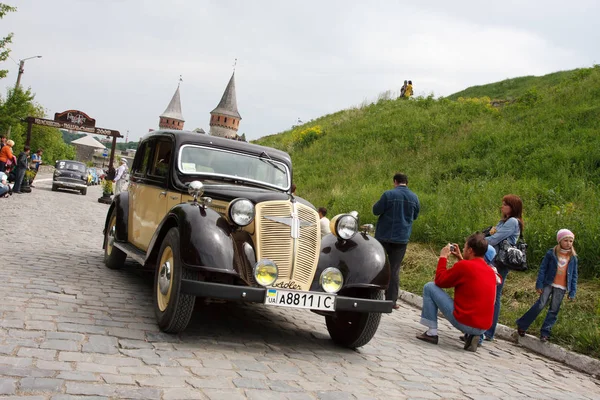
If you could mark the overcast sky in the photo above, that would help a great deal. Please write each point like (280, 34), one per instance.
(120, 60)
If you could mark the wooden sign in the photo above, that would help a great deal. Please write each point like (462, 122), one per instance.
(75, 118)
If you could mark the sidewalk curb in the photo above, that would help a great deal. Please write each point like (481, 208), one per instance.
(574, 360)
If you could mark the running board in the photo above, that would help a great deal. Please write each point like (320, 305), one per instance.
(131, 251)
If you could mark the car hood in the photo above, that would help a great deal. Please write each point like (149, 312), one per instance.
(257, 195)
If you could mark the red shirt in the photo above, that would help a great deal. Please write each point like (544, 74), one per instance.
(475, 290)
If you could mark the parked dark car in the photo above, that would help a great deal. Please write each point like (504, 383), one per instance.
(69, 174)
(215, 218)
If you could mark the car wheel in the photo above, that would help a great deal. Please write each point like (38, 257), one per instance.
(54, 188)
(113, 258)
(354, 329)
(173, 310)
(84, 191)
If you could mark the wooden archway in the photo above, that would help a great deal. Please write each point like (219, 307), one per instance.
(78, 121)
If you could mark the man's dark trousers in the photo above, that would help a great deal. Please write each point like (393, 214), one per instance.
(20, 174)
(395, 253)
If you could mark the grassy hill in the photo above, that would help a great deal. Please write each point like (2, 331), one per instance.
(462, 156)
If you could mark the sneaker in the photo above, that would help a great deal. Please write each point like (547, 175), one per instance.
(429, 339)
(396, 307)
(471, 342)
(544, 338)
(521, 332)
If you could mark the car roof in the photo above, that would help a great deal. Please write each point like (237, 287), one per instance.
(188, 137)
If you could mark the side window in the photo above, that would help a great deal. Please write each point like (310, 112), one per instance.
(140, 163)
(161, 159)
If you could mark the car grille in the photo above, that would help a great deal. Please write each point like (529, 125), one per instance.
(71, 180)
(296, 258)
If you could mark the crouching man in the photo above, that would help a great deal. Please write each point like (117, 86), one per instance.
(472, 309)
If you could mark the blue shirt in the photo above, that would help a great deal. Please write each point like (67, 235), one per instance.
(508, 229)
(397, 209)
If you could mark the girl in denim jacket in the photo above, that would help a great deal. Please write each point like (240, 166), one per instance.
(557, 276)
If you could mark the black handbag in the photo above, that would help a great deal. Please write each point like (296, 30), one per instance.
(512, 257)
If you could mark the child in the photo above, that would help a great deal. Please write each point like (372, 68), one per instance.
(558, 274)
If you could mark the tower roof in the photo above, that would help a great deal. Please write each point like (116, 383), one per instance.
(228, 104)
(174, 108)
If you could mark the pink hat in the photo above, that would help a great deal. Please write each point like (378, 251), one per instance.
(563, 233)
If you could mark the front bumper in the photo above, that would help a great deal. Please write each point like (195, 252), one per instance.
(257, 295)
(69, 185)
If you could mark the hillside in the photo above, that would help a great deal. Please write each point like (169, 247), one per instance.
(463, 155)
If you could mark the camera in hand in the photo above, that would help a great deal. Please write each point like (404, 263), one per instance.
(452, 248)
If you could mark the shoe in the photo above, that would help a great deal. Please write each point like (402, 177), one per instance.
(471, 342)
(521, 332)
(429, 339)
(18, 192)
(544, 339)
(31, 186)
(479, 343)
(488, 338)
(396, 307)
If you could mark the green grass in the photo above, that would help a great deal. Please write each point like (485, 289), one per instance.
(578, 325)
(461, 158)
(462, 154)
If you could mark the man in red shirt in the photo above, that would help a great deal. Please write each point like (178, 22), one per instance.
(472, 309)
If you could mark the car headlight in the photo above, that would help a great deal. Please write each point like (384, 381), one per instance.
(331, 280)
(241, 212)
(265, 272)
(57, 173)
(344, 226)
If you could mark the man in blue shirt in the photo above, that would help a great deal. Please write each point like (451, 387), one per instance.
(397, 209)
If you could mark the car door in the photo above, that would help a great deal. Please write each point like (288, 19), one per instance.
(137, 200)
(152, 195)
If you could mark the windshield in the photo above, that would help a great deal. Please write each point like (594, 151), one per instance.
(197, 160)
(74, 166)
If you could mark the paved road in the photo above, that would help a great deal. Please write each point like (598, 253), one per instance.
(70, 328)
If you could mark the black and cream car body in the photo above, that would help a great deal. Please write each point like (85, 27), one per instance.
(215, 218)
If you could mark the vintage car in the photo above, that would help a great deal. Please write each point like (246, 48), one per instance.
(215, 218)
(69, 174)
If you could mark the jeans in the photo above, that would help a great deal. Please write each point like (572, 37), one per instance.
(20, 174)
(3, 190)
(395, 253)
(551, 295)
(503, 272)
(435, 298)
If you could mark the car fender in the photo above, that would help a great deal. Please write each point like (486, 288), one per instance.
(121, 204)
(361, 260)
(206, 238)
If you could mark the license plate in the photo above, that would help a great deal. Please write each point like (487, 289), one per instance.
(298, 299)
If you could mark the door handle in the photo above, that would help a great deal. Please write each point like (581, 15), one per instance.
(174, 197)
(162, 194)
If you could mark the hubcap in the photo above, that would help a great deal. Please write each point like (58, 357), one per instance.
(111, 237)
(164, 285)
(164, 278)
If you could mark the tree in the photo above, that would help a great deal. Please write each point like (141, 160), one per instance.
(244, 137)
(4, 51)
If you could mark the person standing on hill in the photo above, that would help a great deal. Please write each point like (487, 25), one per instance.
(557, 276)
(403, 89)
(409, 90)
(397, 209)
(510, 227)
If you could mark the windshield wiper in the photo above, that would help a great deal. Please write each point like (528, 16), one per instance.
(270, 161)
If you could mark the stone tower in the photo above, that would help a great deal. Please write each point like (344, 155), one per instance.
(225, 118)
(172, 118)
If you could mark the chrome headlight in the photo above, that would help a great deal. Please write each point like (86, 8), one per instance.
(241, 212)
(265, 272)
(344, 226)
(331, 280)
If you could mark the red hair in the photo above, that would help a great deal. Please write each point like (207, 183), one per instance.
(516, 208)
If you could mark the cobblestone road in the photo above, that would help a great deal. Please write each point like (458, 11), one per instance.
(71, 328)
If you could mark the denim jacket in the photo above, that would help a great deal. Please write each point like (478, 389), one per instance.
(508, 229)
(397, 209)
(548, 272)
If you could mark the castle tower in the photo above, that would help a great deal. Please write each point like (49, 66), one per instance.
(225, 118)
(172, 118)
